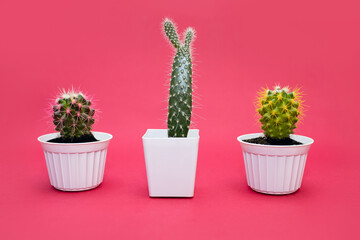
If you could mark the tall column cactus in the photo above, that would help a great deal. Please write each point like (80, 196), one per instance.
(180, 97)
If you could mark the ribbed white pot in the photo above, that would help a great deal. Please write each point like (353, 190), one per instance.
(75, 166)
(275, 169)
(170, 163)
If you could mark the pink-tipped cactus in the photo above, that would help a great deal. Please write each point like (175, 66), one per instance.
(73, 116)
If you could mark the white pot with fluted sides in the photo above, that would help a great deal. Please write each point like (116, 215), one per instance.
(170, 163)
(75, 166)
(275, 169)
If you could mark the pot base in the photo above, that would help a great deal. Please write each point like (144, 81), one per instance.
(273, 193)
(170, 196)
(76, 189)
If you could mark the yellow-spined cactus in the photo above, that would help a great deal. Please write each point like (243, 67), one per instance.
(280, 110)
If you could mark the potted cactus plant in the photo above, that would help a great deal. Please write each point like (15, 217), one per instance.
(171, 154)
(75, 156)
(275, 160)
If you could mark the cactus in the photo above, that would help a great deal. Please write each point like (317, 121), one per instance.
(180, 97)
(73, 115)
(280, 110)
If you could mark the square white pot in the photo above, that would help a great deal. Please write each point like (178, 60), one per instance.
(170, 163)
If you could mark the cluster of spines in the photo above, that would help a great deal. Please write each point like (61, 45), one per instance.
(180, 97)
(73, 115)
(280, 110)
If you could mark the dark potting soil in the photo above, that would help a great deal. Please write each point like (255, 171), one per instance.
(82, 139)
(269, 141)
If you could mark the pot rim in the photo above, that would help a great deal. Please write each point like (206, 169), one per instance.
(44, 139)
(308, 142)
(160, 134)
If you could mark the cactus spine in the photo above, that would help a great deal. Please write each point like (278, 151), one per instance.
(180, 97)
(279, 110)
(73, 115)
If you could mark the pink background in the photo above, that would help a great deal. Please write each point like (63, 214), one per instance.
(115, 51)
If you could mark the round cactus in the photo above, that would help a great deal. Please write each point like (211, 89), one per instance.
(73, 115)
(280, 110)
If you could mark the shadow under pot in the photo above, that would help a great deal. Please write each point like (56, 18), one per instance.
(75, 166)
(170, 163)
(275, 169)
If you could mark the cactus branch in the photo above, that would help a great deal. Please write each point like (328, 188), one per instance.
(189, 33)
(171, 33)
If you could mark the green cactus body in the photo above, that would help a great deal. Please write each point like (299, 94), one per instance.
(73, 115)
(180, 97)
(279, 110)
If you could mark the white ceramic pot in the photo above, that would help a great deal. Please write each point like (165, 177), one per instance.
(275, 169)
(170, 163)
(75, 166)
